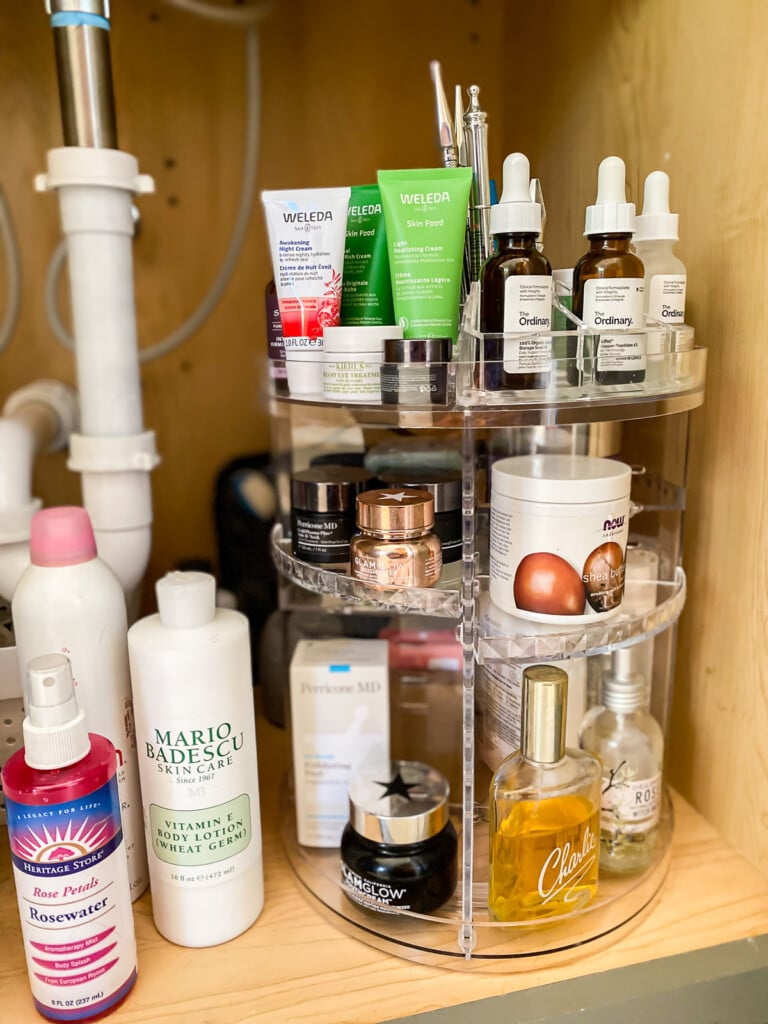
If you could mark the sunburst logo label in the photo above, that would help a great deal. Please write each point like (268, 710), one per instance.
(45, 845)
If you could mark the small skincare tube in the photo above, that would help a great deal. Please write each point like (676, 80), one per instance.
(426, 217)
(366, 294)
(307, 229)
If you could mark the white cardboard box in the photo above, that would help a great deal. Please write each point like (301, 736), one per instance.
(339, 723)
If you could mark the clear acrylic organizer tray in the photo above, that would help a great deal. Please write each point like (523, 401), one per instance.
(673, 367)
(445, 939)
(603, 634)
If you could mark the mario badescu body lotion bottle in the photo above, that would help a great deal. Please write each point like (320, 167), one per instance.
(196, 737)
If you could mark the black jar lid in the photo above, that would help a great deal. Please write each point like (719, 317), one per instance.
(329, 488)
(443, 484)
(418, 350)
(398, 803)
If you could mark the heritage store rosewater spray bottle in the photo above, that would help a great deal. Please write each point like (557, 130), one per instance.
(69, 859)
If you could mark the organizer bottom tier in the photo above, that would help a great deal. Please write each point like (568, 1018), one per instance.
(443, 938)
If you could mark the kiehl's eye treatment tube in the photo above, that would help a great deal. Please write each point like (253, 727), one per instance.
(425, 212)
(307, 230)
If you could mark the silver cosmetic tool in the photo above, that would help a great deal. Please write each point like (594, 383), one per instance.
(444, 126)
(476, 143)
(537, 196)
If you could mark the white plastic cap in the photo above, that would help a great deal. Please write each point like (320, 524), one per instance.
(611, 214)
(563, 281)
(55, 733)
(514, 211)
(186, 599)
(656, 223)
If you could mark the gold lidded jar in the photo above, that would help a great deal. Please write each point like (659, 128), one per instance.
(395, 546)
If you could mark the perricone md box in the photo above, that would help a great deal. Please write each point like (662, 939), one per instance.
(339, 723)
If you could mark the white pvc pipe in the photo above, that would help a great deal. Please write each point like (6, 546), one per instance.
(99, 230)
(112, 452)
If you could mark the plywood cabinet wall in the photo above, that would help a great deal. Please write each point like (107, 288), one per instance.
(345, 90)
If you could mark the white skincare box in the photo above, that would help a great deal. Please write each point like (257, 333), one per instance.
(339, 723)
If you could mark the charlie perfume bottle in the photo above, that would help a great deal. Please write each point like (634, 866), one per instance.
(630, 744)
(544, 812)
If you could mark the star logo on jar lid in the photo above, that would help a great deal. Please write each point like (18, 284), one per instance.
(399, 496)
(397, 787)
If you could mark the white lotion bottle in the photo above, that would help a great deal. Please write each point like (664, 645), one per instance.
(68, 601)
(656, 232)
(195, 728)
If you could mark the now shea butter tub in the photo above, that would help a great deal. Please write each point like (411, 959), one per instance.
(559, 528)
(307, 230)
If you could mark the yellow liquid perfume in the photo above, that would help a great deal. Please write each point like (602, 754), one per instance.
(544, 812)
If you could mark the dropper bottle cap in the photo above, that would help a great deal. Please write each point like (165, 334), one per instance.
(656, 223)
(55, 733)
(186, 600)
(542, 721)
(611, 213)
(515, 213)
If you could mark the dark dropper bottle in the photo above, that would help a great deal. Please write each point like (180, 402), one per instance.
(516, 290)
(608, 284)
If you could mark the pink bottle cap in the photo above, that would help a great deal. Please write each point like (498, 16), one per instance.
(61, 536)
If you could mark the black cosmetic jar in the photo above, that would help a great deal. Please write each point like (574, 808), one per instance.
(323, 512)
(399, 848)
(415, 371)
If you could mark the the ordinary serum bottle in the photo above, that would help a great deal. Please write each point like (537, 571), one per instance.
(608, 284)
(544, 812)
(656, 231)
(630, 744)
(516, 289)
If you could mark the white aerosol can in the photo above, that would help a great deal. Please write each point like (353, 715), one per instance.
(195, 730)
(68, 601)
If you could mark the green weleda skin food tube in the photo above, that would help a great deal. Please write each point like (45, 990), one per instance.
(426, 214)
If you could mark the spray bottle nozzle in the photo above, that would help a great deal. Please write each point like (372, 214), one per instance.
(55, 733)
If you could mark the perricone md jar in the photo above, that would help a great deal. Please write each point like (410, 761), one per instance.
(559, 526)
(399, 848)
(323, 512)
(395, 546)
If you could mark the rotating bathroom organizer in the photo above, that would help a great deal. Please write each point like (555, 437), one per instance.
(642, 424)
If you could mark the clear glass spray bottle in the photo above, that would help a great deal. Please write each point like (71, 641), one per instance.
(630, 744)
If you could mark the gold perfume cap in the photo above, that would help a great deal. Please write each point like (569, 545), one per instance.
(396, 513)
(542, 726)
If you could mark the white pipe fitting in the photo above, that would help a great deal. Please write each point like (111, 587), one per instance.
(38, 417)
(113, 453)
(96, 189)
(116, 492)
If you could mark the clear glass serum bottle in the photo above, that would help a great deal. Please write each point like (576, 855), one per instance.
(544, 812)
(630, 744)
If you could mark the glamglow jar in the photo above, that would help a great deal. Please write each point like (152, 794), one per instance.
(399, 848)
(395, 546)
(558, 536)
